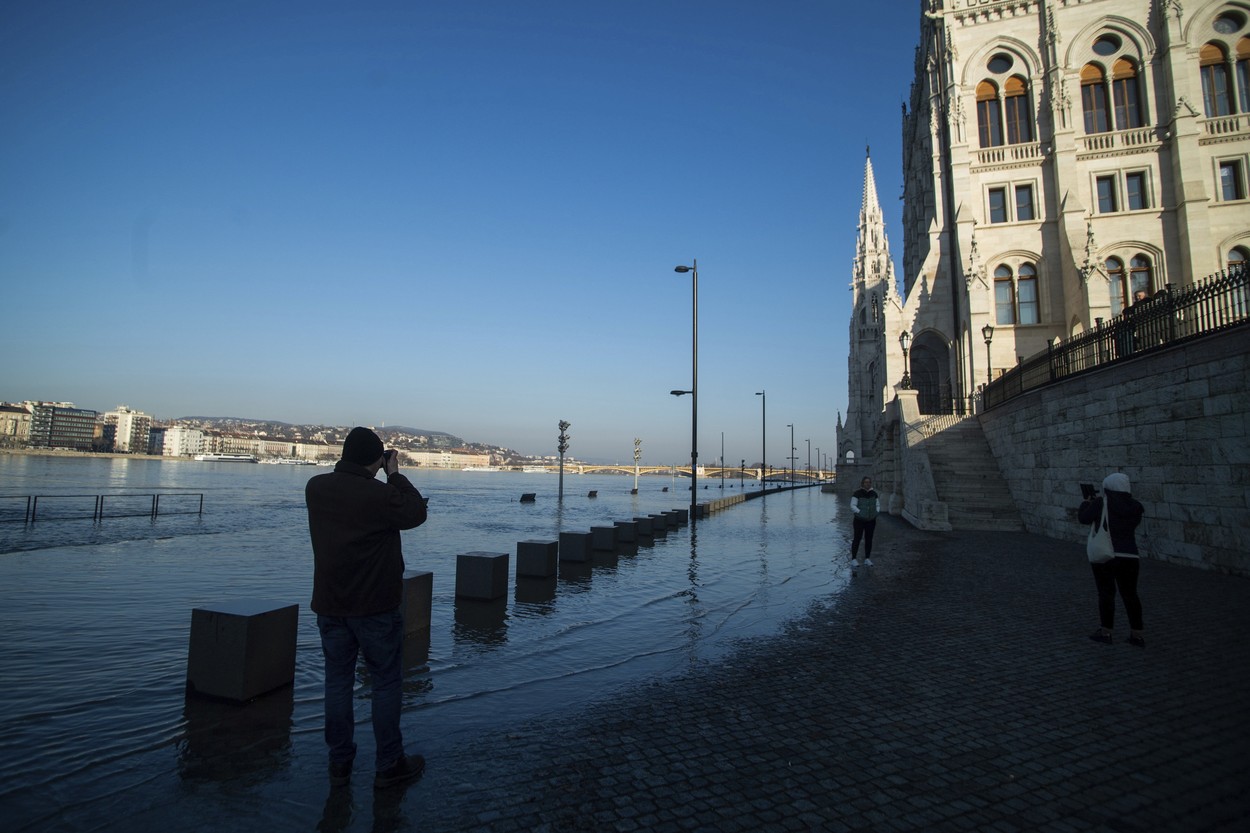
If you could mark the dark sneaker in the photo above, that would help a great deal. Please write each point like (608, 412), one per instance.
(407, 768)
(1139, 641)
(340, 774)
(1101, 636)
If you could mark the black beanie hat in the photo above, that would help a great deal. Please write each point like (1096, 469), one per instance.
(362, 447)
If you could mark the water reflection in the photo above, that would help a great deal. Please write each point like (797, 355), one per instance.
(224, 741)
(605, 559)
(417, 650)
(576, 573)
(537, 592)
(481, 622)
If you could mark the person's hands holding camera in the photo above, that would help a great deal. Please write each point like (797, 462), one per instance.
(390, 461)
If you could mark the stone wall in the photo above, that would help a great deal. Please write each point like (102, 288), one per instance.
(1177, 422)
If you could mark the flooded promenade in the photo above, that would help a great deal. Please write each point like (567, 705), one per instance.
(732, 677)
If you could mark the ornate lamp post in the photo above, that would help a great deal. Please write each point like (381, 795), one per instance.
(637, 457)
(987, 332)
(904, 340)
(562, 447)
(694, 384)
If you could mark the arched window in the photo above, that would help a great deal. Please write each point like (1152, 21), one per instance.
(1126, 93)
(1004, 296)
(1243, 73)
(1216, 96)
(1238, 258)
(989, 117)
(1019, 113)
(1026, 294)
(1094, 99)
(1141, 275)
(1115, 271)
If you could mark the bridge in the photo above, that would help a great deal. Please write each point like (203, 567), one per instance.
(706, 473)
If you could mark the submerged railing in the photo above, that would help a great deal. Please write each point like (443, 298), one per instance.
(118, 506)
(1170, 317)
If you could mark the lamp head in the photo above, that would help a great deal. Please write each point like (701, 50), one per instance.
(988, 333)
(904, 338)
(681, 269)
(679, 392)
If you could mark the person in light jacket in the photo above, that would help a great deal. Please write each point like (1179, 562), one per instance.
(1123, 516)
(865, 503)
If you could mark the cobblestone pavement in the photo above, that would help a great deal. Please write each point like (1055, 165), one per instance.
(951, 687)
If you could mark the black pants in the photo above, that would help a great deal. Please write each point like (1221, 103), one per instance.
(864, 530)
(1118, 573)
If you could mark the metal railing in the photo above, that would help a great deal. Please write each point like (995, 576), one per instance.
(119, 506)
(1218, 303)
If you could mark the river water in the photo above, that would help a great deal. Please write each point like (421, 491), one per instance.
(94, 721)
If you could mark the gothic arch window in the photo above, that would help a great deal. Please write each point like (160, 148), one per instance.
(1115, 271)
(1141, 275)
(1238, 257)
(1019, 112)
(1217, 97)
(876, 309)
(1017, 299)
(1004, 296)
(1126, 95)
(1026, 295)
(989, 115)
(1243, 74)
(1094, 99)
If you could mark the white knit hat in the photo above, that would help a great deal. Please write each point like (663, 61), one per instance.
(1116, 482)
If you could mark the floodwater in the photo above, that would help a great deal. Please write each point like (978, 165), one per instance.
(94, 721)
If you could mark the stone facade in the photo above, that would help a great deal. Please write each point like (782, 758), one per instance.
(1177, 422)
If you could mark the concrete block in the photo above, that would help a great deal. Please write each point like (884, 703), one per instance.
(481, 575)
(643, 524)
(603, 537)
(672, 519)
(575, 546)
(242, 649)
(418, 595)
(537, 558)
(626, 532)
(659, 525)
(527, 497)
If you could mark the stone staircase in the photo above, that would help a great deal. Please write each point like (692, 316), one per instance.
(966, 475)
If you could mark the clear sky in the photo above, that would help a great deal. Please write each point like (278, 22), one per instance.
(457, 216)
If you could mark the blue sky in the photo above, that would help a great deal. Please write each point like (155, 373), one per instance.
(455, 216)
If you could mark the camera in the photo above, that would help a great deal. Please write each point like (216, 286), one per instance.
(1088, 491)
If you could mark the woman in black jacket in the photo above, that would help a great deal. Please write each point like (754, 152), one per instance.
(1123, 516)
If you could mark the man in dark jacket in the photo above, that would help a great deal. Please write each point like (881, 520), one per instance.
(358, 573)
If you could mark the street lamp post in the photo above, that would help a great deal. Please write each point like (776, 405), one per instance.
(562, 447)
(809, 460)
(820, 468)
(987, 332)
(904, 339)
(763, 434)
(694, 383)
(792, 450)
(742, 473)
(637, 457)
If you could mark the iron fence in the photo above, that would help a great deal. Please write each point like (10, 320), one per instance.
(72, 507)
(1218, 303)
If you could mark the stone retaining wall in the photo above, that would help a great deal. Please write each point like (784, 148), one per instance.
(1177, 422)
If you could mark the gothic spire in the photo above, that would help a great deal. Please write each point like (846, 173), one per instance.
(873, 264)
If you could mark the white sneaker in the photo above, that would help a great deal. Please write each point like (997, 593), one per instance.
(854, 562)
(867, 562)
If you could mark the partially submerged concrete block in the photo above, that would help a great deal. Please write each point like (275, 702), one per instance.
(575, 546)
(643, 525)
(418, 598)
(481, 575)
(241, 649)
(603, 537)
(537, 558)
(626, 531)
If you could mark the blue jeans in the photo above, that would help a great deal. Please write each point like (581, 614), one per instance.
(380, 638)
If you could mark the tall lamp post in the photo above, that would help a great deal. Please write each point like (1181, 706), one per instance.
(987, 332)
(637, 457)
(562, 447)
(763, 434)
(694, 383)
(722, 459)
(904, 340)
(792, 450)
(809, 460)
(820, 467)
